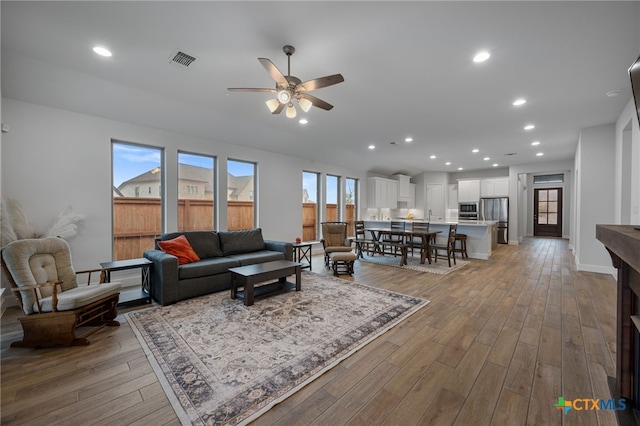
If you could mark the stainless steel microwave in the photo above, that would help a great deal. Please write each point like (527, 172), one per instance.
(468, 211)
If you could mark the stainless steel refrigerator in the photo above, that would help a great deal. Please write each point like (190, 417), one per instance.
(497, 209)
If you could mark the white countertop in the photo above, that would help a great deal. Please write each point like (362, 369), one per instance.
(439, 222)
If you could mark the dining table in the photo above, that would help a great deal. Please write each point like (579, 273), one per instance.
(425, 237)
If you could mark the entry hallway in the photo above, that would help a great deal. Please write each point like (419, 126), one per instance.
(500, 341)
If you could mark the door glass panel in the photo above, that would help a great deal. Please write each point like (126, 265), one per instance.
(542, 219)
(553, 195)
(553, 219)
(553, 207)
(542, 195)
(542, 207)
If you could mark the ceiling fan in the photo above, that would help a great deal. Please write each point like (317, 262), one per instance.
(290, 87)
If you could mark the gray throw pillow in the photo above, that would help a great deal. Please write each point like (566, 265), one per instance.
(234, 242)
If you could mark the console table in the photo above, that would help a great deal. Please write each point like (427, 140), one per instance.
(120, 265)
(623, 244)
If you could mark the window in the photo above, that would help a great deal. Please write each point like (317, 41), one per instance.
(332, 195)
(351, 204)
(241, 209)
(196, 192)
(310, 206)
(137, 214)
(555, 178)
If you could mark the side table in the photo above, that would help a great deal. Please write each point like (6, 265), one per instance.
(120, 265)
(302, 251)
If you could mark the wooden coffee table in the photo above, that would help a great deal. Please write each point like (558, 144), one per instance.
(248, 276)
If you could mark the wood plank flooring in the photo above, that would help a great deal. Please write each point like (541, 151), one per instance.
(500, 341)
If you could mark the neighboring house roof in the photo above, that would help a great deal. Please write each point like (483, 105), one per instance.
(237, 185)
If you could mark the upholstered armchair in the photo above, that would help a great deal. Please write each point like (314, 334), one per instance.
(55, 305)
(334, 239)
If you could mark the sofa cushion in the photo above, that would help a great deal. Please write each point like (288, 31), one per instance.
(206, 244)
(207, 267)
(234, 242)
(180, 248)
(257, 257)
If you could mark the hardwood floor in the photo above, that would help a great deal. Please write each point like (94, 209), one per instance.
(500, 341)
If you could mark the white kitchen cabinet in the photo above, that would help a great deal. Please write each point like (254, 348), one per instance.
(382, 193)
(495, 187)
(404, 190)
(469, 191)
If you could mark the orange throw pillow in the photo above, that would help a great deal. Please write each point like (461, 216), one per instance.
(180, 248)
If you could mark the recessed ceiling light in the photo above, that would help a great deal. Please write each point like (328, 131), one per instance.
(540, 154)
(519, 102)
(475, 150)
(303, 121)
(613, 93)
(408, 139)
(432, 157)
(486, 158)
(481, 56)
(495, 164)
(448, 163)
(460, 168)
(372, 147)
(102, 51)
(535, 143)
(529, 127)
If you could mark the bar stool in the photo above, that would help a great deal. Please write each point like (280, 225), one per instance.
(463, 245)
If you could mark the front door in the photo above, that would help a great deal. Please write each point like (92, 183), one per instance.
(547, 212)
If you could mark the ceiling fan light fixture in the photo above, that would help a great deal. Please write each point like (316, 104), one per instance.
(284, 96)
(273, 104)
(291, 111)
(305, 104)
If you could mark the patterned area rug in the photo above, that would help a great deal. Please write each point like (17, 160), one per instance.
(221, 362)
(413, 263)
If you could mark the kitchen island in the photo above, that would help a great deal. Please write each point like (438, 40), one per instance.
(481, 234)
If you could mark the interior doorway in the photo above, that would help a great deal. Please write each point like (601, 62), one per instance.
(547, 212)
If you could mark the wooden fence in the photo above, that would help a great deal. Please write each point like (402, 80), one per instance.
(138, 221)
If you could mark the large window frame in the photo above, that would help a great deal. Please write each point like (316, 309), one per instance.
(137, 174)
(241, 194)
(310, 205)
(351, 214)
(196, 197)
(332, 196)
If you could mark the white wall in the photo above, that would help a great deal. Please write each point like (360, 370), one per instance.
(627, 166)
(595, 200)
(54, 158)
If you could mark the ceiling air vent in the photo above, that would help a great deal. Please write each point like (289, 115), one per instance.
(181, 59)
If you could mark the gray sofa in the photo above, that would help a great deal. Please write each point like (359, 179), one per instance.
(218, 251)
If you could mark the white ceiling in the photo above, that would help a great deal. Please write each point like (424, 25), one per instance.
(407, 66)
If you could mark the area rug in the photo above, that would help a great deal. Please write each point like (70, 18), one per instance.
(223, 363)
(441, 267)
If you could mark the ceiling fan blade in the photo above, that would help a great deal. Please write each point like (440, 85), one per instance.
(316, 101)
(248, 89)
(318, 83)
(279, 109)
(274, 72)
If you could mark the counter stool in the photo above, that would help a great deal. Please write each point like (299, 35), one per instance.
(342, 262)
(463, 245)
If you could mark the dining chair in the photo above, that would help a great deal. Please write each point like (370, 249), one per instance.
(446, 249)
(396, 234)
(415, 241)
(362, 242)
